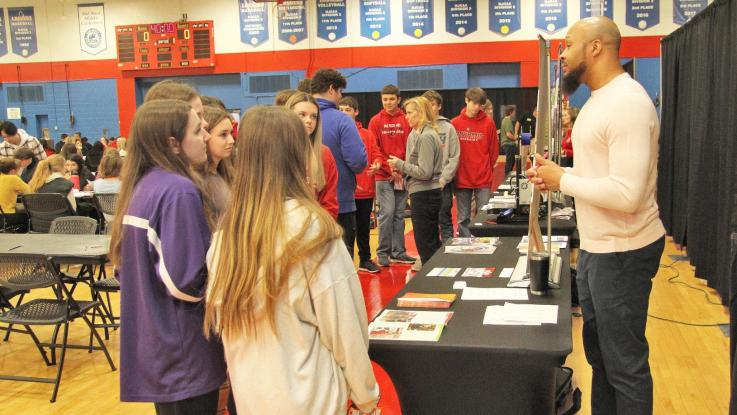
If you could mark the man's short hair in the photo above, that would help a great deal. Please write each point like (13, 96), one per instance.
(434, 96)
(349, 102)
(325, 78)
(390, 90)
(9, 128)
(283, 96)
(23, 153)
(476, 95)
(305, 85)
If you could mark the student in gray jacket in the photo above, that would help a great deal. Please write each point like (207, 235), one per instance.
(451, 155)
(423, 167)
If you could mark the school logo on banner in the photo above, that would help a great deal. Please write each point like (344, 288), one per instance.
(376, 19)
(460, 17)
(642, 14)
(254, 20)
(331, 19)
(684, 10)
(504, 16)
(22, 24)
(292, 21)
(551, 15)
(594, 8)
(92, 37)
(3, 39)
(417, 17)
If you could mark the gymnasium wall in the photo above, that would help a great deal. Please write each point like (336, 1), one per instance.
(101, 96)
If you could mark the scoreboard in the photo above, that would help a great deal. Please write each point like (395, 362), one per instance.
(172, 45)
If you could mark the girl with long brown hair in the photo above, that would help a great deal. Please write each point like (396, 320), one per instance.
(284, 295)
(323, 170)
(218, 171)
(159, 241)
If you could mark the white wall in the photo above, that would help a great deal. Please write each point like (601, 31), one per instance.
(58, 31)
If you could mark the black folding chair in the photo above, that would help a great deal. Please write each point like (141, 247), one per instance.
(27, 272)
(105, 204)
(9, 222)
(43, 208)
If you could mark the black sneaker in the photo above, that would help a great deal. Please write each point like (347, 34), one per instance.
(403, 259)
(368, 266)
(383, 261)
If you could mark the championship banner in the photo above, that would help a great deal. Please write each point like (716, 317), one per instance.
(92, 37)
(417, 17)
(292, 21)
(376, 19)
(3, 39)
(331, 19)
(551, 15)
(684, 10)
(504, 16)
(22, 31)
(254, 20)
(642, 14)
(460, 17)
(593, 8)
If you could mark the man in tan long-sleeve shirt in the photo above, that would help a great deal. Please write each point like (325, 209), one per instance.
(613, 179)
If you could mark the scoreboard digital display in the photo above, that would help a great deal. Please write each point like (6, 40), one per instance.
(165, 45)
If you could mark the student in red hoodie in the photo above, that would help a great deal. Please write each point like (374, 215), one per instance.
(365, 187)
(391, 130)
(479, 151)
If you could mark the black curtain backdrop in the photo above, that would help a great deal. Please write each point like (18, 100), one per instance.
(697, 168)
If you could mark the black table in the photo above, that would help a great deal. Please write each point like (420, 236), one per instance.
(476, 368)
(484, 224)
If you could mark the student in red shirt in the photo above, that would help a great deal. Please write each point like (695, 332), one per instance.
(479, 151)
(365, 187)
(324, 172)
(391, 130)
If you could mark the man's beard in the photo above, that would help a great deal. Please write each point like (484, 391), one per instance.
(572, 80)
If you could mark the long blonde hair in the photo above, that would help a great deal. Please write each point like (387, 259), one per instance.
(53, 164)
(317, 171)
(257, 249)
(424, 109)
(148, 147)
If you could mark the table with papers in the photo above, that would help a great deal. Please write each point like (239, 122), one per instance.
(484, 224)
(506, 366)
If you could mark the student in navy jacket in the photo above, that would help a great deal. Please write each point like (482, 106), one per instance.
(340, 134)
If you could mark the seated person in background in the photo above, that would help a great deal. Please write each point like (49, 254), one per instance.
(46, 144)
(75, 166)
(67, 150)
(108, 180)
(49, 178)
(122, 141)
(10, 187)
(94, 156)
(27, 164)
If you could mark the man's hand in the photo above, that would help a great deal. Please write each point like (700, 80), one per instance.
(374, 167)
(546, 175)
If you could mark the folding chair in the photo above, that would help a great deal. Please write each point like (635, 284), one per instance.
(27, 272)
(43, 208)
(105, 203)
(7, 225)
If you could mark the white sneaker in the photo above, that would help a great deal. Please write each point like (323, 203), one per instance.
(417, 266)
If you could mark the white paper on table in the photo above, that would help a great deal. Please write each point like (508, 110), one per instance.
(537, 313)
(506, 273)
(443, 272)
(459, 285)
(494, 315)
(473, 293)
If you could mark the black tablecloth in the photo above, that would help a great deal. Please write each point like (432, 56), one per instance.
(484, 224)
(476, 368)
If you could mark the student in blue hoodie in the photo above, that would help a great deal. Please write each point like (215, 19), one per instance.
(339, 133)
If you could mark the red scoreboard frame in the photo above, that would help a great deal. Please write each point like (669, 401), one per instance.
(168, 45)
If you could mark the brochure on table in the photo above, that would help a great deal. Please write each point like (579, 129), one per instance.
(409, 325)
